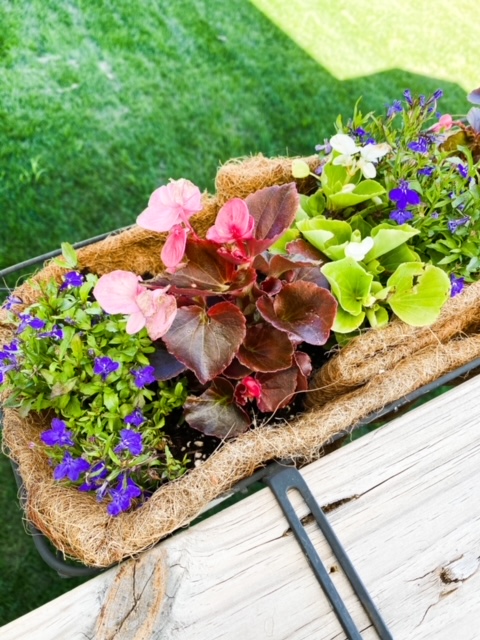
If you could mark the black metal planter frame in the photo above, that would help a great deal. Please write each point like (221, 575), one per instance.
(279, 479)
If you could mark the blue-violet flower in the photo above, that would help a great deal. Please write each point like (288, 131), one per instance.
(130, 441)
(144, 376)
(458, 285)
(58, 435)
(420, 145)
(401, 216)
(123, 495)
(454, 224)
(56, 333)
(136, 418)
(71, 468)
(94, 478)
(403, 196)
(72, 279)
(104, 366)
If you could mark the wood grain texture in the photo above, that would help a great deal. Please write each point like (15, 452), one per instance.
(403, 500)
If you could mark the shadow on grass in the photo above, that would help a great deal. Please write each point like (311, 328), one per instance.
(100, 107)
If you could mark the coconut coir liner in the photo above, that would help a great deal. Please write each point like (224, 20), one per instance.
(81, 528)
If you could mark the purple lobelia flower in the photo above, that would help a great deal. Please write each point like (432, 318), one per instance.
(10, 351)
(407, 94)
(123, 495)
(28, 320)
(458, 284)
(401, 216)
(94, 477)
(462, 170)
(394, 108)
(104, 366)
(436, 95)
(454, 224)
(71, 468)
(403, 196)
(72, 279)
(144, 376)
(130, 441)
(8, 358)
(419, 146)
(136, 418)
(56, 333)
(11, 302)
(426, 171)
(58, 435)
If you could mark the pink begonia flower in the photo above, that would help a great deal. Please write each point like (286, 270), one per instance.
(247, 389)
(121, 292)
(174, 247)
(233, 223)
(444, 124)
(171, 204)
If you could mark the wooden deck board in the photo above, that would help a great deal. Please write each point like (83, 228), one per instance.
(410, 523)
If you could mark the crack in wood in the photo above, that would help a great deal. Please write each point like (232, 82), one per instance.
(331, 506)
(133, 603)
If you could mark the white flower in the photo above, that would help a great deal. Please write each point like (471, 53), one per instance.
(358, 250)
(346, 147)
(370, 154)
(344, 144)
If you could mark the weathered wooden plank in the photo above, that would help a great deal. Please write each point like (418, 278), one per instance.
(409, 519)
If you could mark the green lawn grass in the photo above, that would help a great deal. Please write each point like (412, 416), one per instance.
(101, 102)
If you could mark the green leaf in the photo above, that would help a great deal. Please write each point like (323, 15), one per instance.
(110, 399)
(393, 259)
(69, 255)
(333, 178)
(386, 238)
(300, 168)
(62, 388)
(364, 190)
(350, 284)
(77, 347)
(346, 322)
(328, 236)
(453, 257)
(419, 292)
(73, 408)
(89, 388)
(313, 205)
(377, 316)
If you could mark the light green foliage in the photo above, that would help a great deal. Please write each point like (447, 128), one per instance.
(418, 292)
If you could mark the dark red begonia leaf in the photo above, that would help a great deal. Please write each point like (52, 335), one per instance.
(304, 365)
(273, 210)
(277, 389)
(304, 249)
(206, 273)
(312, 274)
(236, 370)
(270, 286)
(303, 310)
(266, 349)
(215, 413)
(280, 264)
(206, 340)
(166, 365)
